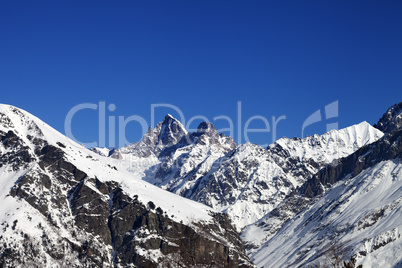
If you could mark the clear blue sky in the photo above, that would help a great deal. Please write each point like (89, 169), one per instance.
(276, 57)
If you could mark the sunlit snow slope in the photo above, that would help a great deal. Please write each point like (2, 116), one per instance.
(364, 212)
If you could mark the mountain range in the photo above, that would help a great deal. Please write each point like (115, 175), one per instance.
(180, 199)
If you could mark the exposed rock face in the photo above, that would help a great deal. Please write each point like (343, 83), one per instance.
(391, 120)
(61, 214)
(130, 228)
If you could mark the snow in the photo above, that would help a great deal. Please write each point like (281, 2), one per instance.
(350, 211)
(101, 151)
(332, 145)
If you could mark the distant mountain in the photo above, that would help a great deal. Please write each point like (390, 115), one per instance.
(245, 181)
(65, 206)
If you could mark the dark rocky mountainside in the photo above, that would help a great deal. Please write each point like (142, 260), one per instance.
(391, 120)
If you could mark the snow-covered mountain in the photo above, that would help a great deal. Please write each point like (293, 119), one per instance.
(357, 204)
(65, 206)
(171, 197)
(330, 146)
(245, 181)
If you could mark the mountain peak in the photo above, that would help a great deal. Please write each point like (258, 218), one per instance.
(168, 117)
(166, 134)
(170, 130)
(391, 120)
(205, 127)
(169, 123)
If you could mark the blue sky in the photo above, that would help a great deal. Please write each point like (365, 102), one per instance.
(278, 58)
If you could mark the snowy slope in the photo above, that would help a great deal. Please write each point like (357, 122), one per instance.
(330, 146)
(363, 212)
(65, 205)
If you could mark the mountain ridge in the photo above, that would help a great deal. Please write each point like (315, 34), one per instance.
(107, 206)
(67, 206)
(210, 168)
